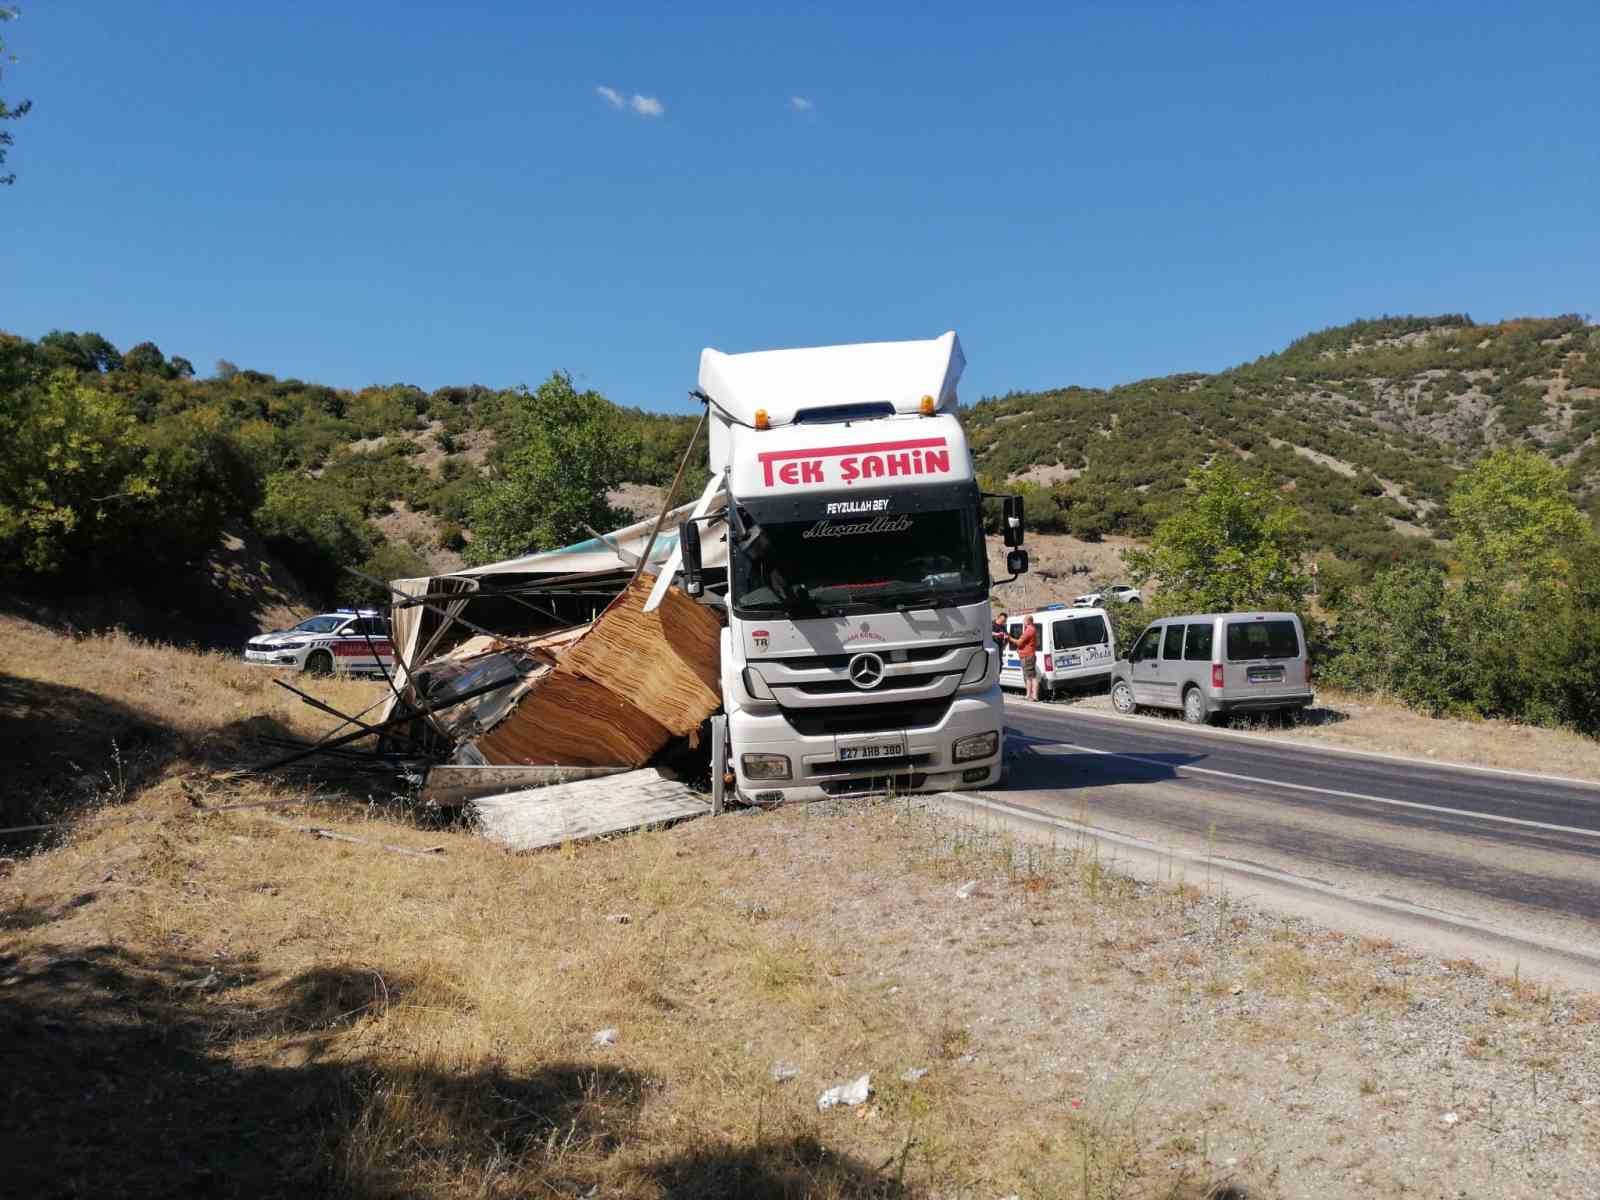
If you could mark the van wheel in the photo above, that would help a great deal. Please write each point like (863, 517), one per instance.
(1122, 698)
(319, 662)
(1195, 709)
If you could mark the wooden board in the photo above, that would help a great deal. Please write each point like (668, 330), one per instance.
(569, 812)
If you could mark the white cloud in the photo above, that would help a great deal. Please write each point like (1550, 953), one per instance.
(610, 95)
(647, 106)
(800, 104)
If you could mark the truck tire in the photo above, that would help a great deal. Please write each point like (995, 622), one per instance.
(1196, 710)
(1122, 698)
(319, 662)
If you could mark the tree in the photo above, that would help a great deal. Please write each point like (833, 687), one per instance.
(145, 359)
(80, 351)
(1233, 544)
(73, 473)
(563, 450)
(8, 113)
(1513, 517)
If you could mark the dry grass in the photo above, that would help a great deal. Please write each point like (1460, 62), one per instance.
(213, 1003)
(94, 719)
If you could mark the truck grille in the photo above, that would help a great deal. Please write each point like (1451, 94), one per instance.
(867, 718)
(844, 687)
(838, 662)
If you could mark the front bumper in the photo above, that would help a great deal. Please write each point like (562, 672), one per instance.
(273, 658)
(818, 774)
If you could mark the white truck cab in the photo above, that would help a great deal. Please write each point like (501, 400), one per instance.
(858, 654)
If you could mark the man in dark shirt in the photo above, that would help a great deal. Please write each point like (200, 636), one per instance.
(1027, 647)
(999, 630)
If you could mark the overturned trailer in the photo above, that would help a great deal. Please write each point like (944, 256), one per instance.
(588, 678)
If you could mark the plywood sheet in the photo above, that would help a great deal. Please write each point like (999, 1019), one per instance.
(619, 693)
(569, 812)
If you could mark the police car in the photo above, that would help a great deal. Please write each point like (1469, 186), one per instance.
(353, 640)
(1077, 647)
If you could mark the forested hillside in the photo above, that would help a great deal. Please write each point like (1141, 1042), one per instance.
(123, 469)
(1366, 425)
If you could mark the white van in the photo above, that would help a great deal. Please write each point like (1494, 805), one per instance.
(1215, 663)
(1077, 649)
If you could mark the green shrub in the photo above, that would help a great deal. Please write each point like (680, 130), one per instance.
(316, 529)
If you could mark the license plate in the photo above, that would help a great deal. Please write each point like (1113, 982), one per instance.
(1265, 674)
(877, 750)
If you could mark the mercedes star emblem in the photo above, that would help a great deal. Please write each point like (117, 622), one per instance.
(866, 671)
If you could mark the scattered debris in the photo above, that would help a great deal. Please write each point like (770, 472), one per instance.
(783, 1072)
(620, 919)
(1450, 1118)
(332, 835)
(967, 890)
(851, 1094)
(606, 1037)
(912, 1074)
(1236, 989)
(209, 983)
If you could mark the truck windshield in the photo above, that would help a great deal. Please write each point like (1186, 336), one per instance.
(865, 564)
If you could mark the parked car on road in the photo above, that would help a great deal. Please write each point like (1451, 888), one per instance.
(1076, 647)
(1119, 592)
(1216, 663)
(351, 640)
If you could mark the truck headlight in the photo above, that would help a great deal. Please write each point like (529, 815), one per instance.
(765, 766)
(977, 668)
(977, 745)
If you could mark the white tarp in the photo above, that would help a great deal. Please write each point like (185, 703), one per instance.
(619, 550)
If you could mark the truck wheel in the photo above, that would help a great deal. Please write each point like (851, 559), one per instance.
(1195, 709)
(1122, 698)
(319, 662)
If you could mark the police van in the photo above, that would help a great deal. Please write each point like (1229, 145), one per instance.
(352, 640)
(1077, 649)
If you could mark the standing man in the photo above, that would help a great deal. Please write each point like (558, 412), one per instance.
(1027, 649)
(999, 630)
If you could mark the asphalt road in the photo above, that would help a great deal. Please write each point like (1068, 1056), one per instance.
(1511, 849)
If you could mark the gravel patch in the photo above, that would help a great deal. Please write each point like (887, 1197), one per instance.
(1214, 1038)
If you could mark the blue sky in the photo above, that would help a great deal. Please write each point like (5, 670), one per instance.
(365, 193)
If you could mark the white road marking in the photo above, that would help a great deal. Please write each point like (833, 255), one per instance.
(1175, 768)
(1300, 743)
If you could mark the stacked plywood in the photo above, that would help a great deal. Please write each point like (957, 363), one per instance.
(619, 693)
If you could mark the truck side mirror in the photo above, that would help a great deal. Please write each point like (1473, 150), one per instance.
(1011, 522)
(689, 548)
(1017, 562)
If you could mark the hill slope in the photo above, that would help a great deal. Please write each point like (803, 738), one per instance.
(1366, 424)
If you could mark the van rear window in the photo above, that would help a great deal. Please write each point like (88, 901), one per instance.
(1249, 640)
(1080, 631)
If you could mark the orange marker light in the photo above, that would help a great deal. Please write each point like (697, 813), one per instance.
(761, 419)
(927, 406)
